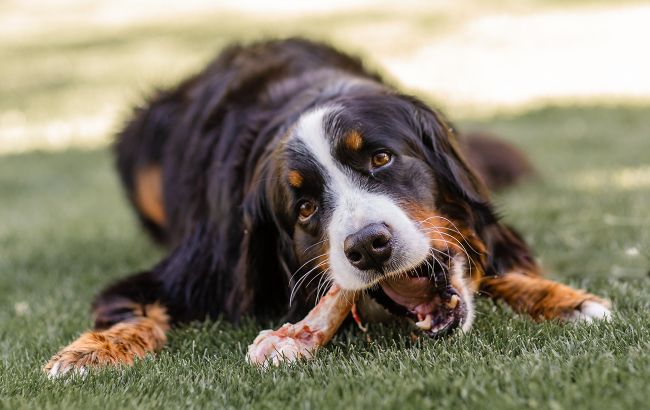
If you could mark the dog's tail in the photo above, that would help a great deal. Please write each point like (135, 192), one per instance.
(497, 162)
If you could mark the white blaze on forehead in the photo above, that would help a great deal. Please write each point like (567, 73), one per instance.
(310, 131)
(355, 207)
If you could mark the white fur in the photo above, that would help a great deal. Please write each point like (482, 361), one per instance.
(590, 311)
(59, 371)
(355, 208)
(54, 371)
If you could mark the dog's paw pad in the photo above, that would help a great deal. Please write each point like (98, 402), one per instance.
(590, 311)
(285, 345)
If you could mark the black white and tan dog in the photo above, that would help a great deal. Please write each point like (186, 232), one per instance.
(286, 171)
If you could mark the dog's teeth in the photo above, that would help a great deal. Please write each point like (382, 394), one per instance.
(426, 323)
(453, 302)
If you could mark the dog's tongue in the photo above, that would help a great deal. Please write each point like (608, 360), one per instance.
(414, 293)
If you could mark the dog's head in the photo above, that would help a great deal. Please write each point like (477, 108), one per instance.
(375, 196)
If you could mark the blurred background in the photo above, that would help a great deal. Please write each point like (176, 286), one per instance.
(71, 68)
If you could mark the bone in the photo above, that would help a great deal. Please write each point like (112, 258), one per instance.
(301, 340)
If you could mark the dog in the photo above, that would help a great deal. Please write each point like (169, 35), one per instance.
(286, 176)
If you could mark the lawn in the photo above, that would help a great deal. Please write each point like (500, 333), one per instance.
(66, 232)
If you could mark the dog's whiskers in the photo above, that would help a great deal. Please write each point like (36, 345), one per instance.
(327, 284)
(305, 264)
(437, 229)
(322, 279)
(433, 271)
(316, 244)
(316, 276)
(302, 280)
(455, 229)
(459, 244)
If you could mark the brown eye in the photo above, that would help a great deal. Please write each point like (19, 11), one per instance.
(380, 159)
(306, 210)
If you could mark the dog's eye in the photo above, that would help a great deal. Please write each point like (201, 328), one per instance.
(306, 209)
(381, 158)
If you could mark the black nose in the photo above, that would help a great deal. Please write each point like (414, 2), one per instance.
(369, 248)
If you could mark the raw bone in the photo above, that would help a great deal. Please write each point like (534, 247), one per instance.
(301, 340)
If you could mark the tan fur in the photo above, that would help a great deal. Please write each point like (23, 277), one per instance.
(526, 291)
(353, 141)
(446, 235)
(295, 179)
(117, 345)
(540, 298)
(148, 194)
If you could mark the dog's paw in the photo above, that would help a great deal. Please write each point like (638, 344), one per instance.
(92, 349)
(285, 345)
(121, 344)
(589, 311)
(59, 367)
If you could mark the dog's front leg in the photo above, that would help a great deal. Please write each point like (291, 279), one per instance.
(294, 341)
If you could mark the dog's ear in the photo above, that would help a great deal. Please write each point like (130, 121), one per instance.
(504, 248)
(458, 185)
(443, 153)
(266, 252)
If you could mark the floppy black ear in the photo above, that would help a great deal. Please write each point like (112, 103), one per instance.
(441, 151)
(266, 252)
(504, 248)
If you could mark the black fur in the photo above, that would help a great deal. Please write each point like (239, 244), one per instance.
(229, 224)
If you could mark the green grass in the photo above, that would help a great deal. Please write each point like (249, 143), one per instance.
(66, 232)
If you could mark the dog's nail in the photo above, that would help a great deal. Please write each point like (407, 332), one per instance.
(426, 323)
(453, 302)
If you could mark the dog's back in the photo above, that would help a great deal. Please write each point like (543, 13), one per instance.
(217, 113)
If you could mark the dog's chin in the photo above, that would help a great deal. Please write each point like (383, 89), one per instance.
(425, 295)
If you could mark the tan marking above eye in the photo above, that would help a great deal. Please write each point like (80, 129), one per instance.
(381, 158)
(353, 140)
(295, 179)
(307, 209)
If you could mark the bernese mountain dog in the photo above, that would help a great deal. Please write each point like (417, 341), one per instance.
(288, 181)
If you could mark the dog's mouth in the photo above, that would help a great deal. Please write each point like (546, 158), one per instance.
(425, 295)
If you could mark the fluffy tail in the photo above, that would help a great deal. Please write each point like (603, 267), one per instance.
(497, 162)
